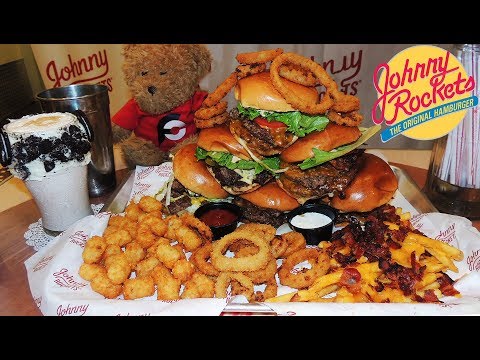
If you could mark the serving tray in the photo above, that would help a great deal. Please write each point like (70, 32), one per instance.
(117, 202)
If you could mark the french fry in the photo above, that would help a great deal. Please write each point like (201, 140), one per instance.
(433, 285)
(319, 284)
(325, 291)
(444, 259)
(389, 295)
(391, 225)
(405, 216)
(282, 298)
(436, 291)
(402, 255)
(427, 280)
(432, 265)
(452, 252)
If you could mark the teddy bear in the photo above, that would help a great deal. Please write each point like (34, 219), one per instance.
(164, 82)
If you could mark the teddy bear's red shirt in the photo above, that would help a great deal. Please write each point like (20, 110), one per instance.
(164, 130)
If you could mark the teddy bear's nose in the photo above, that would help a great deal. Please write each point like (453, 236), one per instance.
(152, 89)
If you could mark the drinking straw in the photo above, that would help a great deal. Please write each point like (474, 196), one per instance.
(460, 164)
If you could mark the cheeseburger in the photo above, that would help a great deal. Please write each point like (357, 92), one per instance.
(230, 164)
(263, 122)
(373, 186)
(193, 183)
(267, 205)
(328, 163)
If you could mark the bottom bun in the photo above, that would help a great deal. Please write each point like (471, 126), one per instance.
(373, 186)
(271, 196)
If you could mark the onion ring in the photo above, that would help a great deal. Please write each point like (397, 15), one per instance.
(344, 103)
(278, 246)
(193, 233)
(293, 99)
(295, 240)
(265, 230)
(269, 292)
(258, 56)
(261, 275)
(224, 280)
(221, 91)
(304, 278)
(248, 263)
(205, 113)
(348, 119)
(192, 222)
(249, 69)
(200, 259)
(297, 75)
(209, 123)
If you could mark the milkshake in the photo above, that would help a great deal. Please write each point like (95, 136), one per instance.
(50, 153)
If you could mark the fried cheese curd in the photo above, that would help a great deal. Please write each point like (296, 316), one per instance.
(143, 252)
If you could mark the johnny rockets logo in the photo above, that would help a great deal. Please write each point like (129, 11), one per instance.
(64, 279)
(473, 261)
(92, 68)
(78, 238)
(42, 263)
(423, 93)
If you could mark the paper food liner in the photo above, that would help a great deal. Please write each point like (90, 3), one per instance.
(58, 289)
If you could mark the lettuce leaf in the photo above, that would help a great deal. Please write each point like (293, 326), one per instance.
(226, 159)
(297, 123)
(321, 157)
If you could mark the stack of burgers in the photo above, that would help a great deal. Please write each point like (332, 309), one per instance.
(272, 154)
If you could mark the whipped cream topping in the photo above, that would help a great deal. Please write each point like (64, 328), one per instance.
(42, 125)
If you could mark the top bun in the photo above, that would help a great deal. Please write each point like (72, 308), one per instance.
(271, 196)
(193, 174)
(219, 138)
(328, 139)
(257, 91)
(373, 186)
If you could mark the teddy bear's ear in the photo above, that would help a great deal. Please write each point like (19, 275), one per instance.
(202, 57)
(126, 48)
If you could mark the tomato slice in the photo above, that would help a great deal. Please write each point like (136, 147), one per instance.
(271, 124)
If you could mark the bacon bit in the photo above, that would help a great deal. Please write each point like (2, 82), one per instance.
(418, 298)
(430, 297)
(393, 244)
(358, 251)
(414, 263)
(344, 260)
(351, 280)
(400, 234)
(446, 286)
(383, 264)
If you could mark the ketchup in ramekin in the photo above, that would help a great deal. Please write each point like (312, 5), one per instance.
(218, 217)
(221, 217)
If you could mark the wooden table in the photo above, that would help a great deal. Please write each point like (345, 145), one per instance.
(15, 296)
